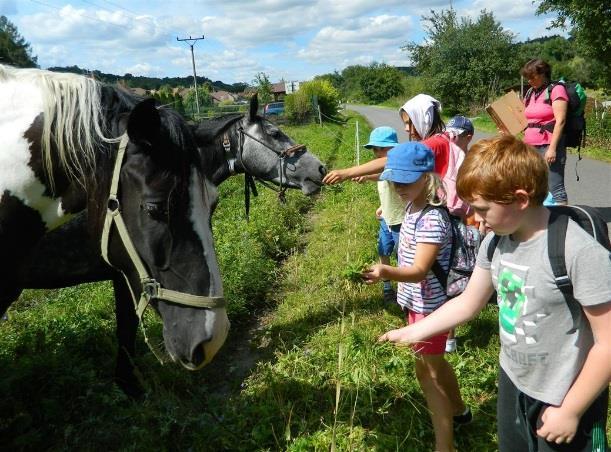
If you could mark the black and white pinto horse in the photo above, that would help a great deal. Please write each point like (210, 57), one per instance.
(148, 202)
(231, 144)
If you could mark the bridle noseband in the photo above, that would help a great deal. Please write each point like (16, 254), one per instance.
(150, 288)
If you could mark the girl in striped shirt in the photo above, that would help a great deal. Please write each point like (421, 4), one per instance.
(424, 238)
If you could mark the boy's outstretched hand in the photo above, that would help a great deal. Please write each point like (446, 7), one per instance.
(334, 177)
(398, 336)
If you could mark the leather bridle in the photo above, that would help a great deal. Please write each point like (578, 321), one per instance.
(249, 182)
(150, 288)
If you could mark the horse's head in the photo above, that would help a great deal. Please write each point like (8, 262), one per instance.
(166, 204)
(259, 148)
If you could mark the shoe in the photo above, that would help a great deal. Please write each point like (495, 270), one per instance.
(390, 296)
(463, 419)
(450, 345)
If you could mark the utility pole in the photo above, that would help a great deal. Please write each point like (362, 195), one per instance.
(192, 42)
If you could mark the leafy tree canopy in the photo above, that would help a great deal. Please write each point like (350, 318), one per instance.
(464, 61)
(591, 22)
(264, 87)
(14, 49)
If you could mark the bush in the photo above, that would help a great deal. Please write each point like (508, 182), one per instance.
(298, 106)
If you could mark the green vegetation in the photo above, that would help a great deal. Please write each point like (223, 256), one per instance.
(299, 106)
(465, 61)
(307, 376)
(263, 87)
(14, 49)
(591, 25)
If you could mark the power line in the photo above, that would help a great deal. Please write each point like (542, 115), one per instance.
(192, 42)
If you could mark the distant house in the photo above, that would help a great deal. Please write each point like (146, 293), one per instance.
(223, 96)
(282, 88)
(279, 90)
(140, 92)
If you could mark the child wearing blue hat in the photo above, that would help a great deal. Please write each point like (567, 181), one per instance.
(425, 238)
(392, 208)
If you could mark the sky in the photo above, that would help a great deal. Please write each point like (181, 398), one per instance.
(285, 39)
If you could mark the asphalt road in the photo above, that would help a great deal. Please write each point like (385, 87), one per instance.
(593, 187)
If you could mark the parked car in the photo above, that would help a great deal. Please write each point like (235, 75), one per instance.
(274, 108)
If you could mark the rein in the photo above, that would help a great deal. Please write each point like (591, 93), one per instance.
(150, 288)
(249, 181)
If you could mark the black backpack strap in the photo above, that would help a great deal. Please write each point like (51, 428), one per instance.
(529, 93)
(492, 244)
(556, 244)
(437, 270)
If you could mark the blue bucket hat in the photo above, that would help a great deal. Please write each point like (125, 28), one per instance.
(407, 162)
(460, 124)
(382, 137)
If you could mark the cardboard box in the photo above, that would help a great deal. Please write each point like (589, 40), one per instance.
(508, 113)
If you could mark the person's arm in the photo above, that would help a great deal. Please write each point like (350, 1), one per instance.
(559, 424)
(369, 177)
(453, 313)
(375, 166)
(426, 253)
(559, 106)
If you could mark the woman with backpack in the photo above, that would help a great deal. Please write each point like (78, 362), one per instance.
(546, 106)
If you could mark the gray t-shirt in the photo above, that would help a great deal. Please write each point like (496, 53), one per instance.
(538, 353)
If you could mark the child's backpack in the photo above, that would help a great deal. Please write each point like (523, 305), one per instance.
(589, 219)
(465, 244)
(575, 127)
(456, 156)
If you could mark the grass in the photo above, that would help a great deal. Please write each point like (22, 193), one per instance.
(302, 370)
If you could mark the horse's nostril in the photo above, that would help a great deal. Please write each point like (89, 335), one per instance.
(322, 170)
(199, 355)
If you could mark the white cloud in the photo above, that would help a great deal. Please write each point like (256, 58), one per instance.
(506, 9)
(295, 39)
(361, 41)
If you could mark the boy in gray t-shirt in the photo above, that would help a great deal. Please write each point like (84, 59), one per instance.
(553, 382)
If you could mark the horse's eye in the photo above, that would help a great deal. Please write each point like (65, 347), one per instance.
(156, 210)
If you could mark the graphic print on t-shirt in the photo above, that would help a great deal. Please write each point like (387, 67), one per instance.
(516, 323)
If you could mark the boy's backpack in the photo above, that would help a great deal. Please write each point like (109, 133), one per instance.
(456, 156)
(575, 127)
(465, 244)
(590, 220)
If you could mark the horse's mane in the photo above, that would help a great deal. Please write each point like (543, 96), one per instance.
(72, 117)
(213, 128)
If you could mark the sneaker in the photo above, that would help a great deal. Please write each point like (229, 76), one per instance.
(390, 296)
(463, 419)
(450, 345)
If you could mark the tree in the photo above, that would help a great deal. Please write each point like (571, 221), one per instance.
(465, 62)
(381, 82)
(591, 20)
(14, 50)
(264, 87)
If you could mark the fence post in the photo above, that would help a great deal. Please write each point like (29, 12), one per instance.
(358, 147)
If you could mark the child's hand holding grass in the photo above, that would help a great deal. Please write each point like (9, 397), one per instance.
(373, 274)
(354, 272)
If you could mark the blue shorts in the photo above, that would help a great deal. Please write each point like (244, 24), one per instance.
(388, 238)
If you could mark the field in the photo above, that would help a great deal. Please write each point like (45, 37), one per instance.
(300, 372)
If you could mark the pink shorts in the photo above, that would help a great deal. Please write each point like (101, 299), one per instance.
(435, 345)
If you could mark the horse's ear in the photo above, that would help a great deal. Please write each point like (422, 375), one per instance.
(254, 106)
(144, 122)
